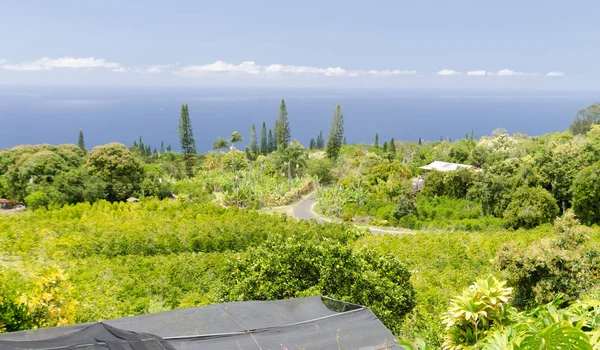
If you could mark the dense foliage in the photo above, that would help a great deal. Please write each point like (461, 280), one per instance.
(82, 254)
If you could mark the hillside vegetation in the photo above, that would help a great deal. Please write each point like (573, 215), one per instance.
(519, 231)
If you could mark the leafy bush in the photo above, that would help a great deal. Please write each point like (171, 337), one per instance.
(454, 184)
(303, 266)
(37, 200)
(13, 315)
(482, 319)
(549, 268)
(50, 303)
(530, 207)
(407, 205)
(320, 169)
(586, 194)
(472, 315)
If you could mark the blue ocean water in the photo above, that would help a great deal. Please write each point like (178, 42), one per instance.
(32, 115)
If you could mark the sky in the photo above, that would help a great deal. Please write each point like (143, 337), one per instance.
(363, 44)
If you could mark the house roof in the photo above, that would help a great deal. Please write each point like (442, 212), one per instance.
(311, 323)
(2, 200)
(444, 166)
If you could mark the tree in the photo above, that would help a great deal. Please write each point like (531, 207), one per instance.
(37, 200)
(220, 144)
(320, 142)
(376, 143)
(306, 266)
(264, 146)
(385, 147)
(75, 186)
(312, 143)
(118, 168)
(272, 142)
(585, 118)
(186, 139)
(420, 141)
(586, 195)
(591, 146)
(80, 142)
(235, 138)
(162, 147)
(344, 143)
(336, 134)
(282, 127)
(558, 167)
(291, 159)
(253, 140)
(530, 207)
(407, 205)
(154, 183)
(550, 268)
(392, 149)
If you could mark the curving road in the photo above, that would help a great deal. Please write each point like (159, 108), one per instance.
(303, 210)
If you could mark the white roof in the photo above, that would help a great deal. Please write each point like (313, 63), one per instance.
(443, 166)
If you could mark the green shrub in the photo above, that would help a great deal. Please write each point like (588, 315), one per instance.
(37, 200)
(304, 266)
(406, 206)
(550, 268)
(13, 315)
(586, 194)
(454, 184)
(530, 207)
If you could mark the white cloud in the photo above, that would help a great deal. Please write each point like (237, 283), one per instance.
(3, 60)
(448, 72)
(247, 67)
(63, 62)
(476, 72)
(153, 69)
(250, 67)
(510, 73)
(388, 72)
(555, 74)
(506, 73)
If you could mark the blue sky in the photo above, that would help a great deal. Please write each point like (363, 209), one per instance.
(402, 44)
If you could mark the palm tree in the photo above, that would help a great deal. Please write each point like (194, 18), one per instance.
(292, 158)
(220, 143)
(235, 137)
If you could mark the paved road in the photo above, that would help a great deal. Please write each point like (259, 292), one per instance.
(303, 210)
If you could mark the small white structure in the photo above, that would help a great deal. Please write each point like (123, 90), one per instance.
(443, 166)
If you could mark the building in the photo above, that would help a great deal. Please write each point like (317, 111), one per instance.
(445, 167)
(6, 204)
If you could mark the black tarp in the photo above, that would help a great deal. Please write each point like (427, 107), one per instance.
(304, 323)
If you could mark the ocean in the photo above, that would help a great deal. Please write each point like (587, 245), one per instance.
(34, 115)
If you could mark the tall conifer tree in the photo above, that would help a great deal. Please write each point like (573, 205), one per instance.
(392, 149)
(376, 143)
(282, 128)
(186, 139)
(263, 139)
(80, 142)
(253, 140)
(272, 145)
(336, 134)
